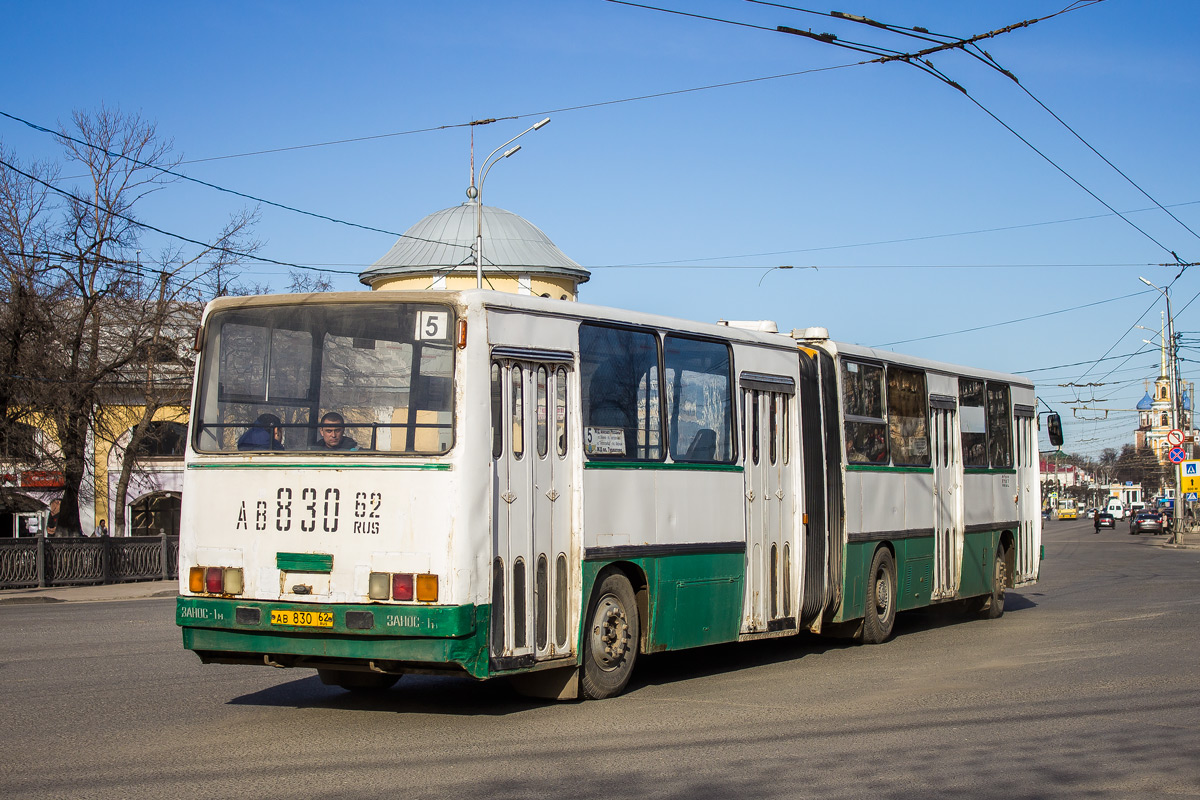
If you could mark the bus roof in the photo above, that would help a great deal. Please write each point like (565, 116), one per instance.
(486, 298)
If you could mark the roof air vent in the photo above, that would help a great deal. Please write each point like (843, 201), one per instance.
(761, 325)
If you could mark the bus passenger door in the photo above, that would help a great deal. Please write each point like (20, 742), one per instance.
(531, 513)
(770, 510)
(1028, 498)
(947, 497)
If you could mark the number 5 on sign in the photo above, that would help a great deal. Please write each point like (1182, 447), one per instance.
(433, 326)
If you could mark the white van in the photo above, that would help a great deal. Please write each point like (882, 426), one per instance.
(1116, 508)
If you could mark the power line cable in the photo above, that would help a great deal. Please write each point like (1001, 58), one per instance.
(210, 185)
(132, 221)
(1013, 321)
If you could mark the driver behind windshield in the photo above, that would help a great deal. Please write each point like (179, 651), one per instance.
(332, 432)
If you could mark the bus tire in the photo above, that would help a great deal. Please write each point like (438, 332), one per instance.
(993, 607)
(880, 603)
(610, 641)
(358, 682)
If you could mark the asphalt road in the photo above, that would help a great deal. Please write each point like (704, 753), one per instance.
(1087, 687)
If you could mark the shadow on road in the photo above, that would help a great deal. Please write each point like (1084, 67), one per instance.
(425, 694)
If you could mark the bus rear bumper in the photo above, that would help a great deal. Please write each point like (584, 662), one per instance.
(346, 636)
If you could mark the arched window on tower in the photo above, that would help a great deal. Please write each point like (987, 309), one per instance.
(1164, 422)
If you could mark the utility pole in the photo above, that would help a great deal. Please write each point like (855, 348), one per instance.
(1177, 418)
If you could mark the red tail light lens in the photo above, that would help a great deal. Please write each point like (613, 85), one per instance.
(402, 586)
(214, 580)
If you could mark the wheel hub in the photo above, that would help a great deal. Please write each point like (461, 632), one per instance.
(883, 593)
(610, 634)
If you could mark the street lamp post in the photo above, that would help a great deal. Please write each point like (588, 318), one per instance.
(1176, 415)
(476, 194)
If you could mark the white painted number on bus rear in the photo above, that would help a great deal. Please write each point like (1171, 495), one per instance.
(317, 508)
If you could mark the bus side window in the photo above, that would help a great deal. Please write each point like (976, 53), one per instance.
(862, 408)
(698, 384)
(999, 425)
(618, 372)
(907, 423)
(973, 422)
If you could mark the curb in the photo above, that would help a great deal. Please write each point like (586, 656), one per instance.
(104, 593)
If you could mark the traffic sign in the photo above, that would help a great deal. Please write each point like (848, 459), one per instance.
(1191, 476)
(1177, 455)
(1175, 438)
(1190, 497)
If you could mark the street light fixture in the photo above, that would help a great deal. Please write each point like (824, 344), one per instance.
(782, 266)
(476, 194)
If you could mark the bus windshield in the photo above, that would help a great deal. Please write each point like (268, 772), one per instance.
(333, 378)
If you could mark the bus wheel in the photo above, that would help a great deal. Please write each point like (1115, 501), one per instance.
(994, 606)
(881, 598)
(353, 681)
(610, 642)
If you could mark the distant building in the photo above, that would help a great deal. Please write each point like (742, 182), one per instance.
(1154, 413)
(439, 253)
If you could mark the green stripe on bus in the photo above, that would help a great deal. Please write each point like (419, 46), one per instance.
(886, 468)
(304, 562)
(695, 599)
(413, 634)
(662, 465)
(985, 471)
(327, 465)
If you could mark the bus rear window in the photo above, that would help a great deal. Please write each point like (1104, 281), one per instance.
(335, 378)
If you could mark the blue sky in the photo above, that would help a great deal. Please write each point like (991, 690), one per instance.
(923, 215)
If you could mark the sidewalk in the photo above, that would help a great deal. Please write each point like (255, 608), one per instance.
(91, 594)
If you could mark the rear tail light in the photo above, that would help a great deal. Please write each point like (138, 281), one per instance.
(233, 580)
(379, 586)
(427, 588)
(216, 580)
(402, 586)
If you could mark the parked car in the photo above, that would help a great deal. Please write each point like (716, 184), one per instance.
(1147, 521)
(1106, 520)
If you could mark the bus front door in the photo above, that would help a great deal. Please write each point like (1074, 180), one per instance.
(531, 514)
(770, 512)
(947, 500)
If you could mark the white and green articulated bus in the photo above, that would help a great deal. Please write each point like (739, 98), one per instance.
(492, 485)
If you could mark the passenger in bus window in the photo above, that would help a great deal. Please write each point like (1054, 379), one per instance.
(333, 433)
(265, 434)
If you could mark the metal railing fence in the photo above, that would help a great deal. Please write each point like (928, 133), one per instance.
(82, 560)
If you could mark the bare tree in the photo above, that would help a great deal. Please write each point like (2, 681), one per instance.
(101, 322)
(160, 376)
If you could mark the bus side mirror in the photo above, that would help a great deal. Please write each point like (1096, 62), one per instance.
(1054, 429)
